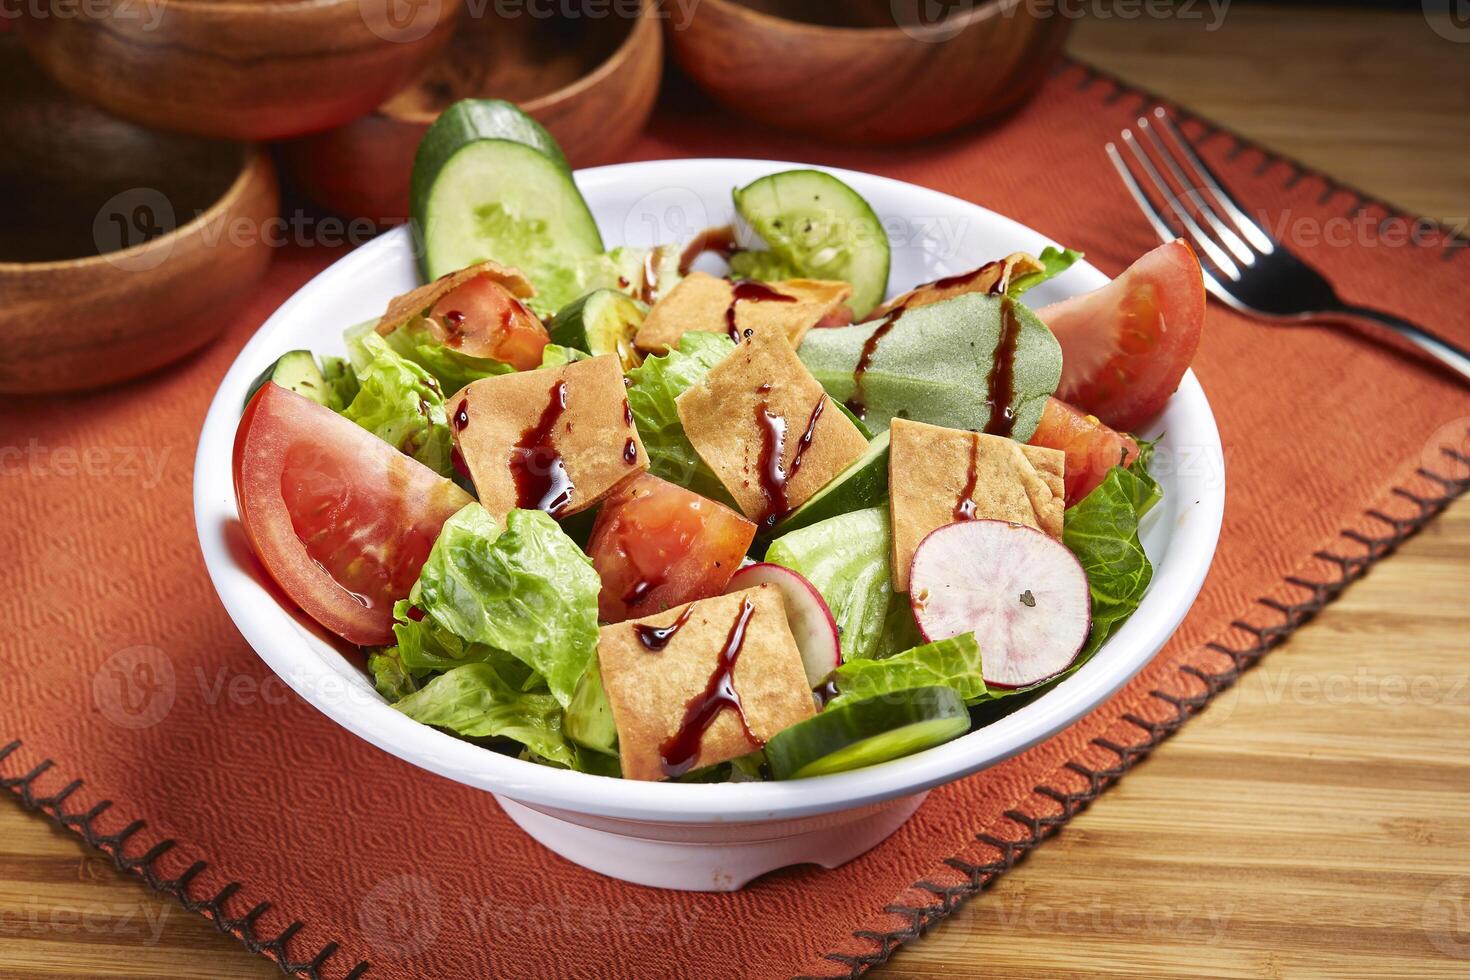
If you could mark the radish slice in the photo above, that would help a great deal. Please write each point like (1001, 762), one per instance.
(806, 611)
(1022, 594)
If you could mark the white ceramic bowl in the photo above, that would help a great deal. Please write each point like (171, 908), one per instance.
(709, 836)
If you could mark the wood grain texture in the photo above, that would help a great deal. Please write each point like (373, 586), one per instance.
(1313, 822)
(844, 79)
(237, 69)
(591, 82)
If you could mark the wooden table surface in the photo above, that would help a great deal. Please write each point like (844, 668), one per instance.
(1314, 821)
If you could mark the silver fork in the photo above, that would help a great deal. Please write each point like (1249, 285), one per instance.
(1244, 267)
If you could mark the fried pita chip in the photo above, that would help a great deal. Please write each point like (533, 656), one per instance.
(588, 447)
(992, 278)
(702, 302)
(760, 398)
(938, 476)
(415, 302)
(651, 689)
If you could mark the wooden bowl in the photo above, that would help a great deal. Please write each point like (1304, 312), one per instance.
(591, 81)
(865, 71)
(96, 282)
(236, 69)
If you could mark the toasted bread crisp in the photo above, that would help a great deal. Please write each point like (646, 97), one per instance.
(992, 277)
(767, 428)
(938, 476)
(562, 436)
(656, 682)
(413, 303)
(703, 302)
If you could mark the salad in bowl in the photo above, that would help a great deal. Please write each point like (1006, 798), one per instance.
(712, 510)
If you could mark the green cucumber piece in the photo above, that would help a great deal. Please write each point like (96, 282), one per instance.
(490, 183)
(819, 226)
(602, 322)
(862, 485)
(589, 719)
(865, 733)
(297, 371)
(627, 267)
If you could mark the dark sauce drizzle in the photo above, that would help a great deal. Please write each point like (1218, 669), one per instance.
(865, 360)
(539, 472)
(825, 694)
(965, 278)
(751, 291)
(680, 750)
(630, 451)
(720, 240)
(655, 638)
(964, 509)
(454, 328)
(775, 476)
(462, 416)
(1001, 382)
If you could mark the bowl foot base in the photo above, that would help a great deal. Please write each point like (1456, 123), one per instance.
(711, 858)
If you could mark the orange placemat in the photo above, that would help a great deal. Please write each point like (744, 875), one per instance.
(141, 720)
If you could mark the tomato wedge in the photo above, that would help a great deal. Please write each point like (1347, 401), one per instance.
(1091, 447)
(341, 520)
(482, 318)
(1126, 346)
(657, 545)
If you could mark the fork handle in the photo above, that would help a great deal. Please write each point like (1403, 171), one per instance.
(1452, 356)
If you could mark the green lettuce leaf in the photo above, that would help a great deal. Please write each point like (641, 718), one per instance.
(555, 355)
(527, 590)
(392, 679)
(401, 404)
(934, 365)
(1102, 531)
(954, 663)
(847, 560)
(477, 702)
(763, 265)
(656, 383)
(1055, 262)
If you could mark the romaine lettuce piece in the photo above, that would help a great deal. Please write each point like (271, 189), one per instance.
(656, 383)
(392, 679)
(527, 590)
(401, 404)
(555, 355)
(1102, 531)
(477, 702)
(846, 558)
(954, 662)
(934, 365)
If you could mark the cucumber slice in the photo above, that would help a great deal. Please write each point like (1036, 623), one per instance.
(862, 485)
(602, 322)
(821, 227)
(589, 720)
(645, 274)
(865, 733)
(297, 371)
(490, 183)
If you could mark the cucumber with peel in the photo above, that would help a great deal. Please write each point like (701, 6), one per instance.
(602, 322)
(865, 733)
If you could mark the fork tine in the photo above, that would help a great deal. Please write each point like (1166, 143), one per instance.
(1194, 232)
(1161, 227)
(1252, 231)
(1195, 193)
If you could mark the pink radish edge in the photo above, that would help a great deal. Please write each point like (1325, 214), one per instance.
(807, 614)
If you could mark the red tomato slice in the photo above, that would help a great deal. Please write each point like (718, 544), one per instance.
(482, 319)
(341, 520)
(1091, 447)
(840, 317)
(1125, 346)
(657, 545)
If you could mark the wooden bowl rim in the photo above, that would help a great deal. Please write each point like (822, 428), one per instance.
(253, 163)
(614, 61)
(980, 10)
